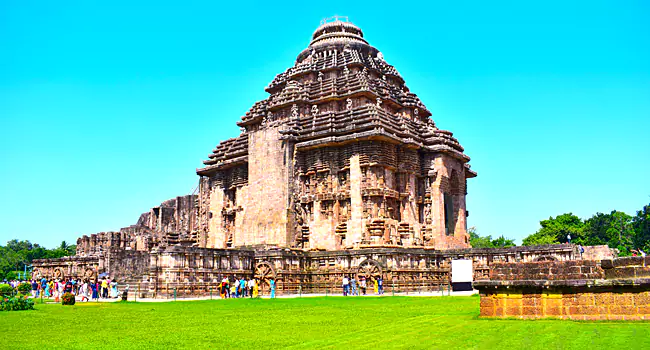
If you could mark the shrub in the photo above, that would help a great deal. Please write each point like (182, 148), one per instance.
(67, 299)
(16, 303)
(24, 288)
(6, 291)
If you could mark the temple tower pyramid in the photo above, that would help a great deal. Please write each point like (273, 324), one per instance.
(341, 155)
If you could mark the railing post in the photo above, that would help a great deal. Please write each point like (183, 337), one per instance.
(392, 288)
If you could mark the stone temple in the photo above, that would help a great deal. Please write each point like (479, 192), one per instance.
(341, 155)
(340, 171)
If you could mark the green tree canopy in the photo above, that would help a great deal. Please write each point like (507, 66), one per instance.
(16, 254)
(617, 229)
(476, 241)
(555, 230)
(641, 225)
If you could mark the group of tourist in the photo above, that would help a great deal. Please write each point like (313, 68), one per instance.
(85, 289)
(233, 287)
(350, 285)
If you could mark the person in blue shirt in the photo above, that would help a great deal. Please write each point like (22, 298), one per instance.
(242, 286)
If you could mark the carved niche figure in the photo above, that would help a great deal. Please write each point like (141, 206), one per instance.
(346, 71)
(294, 111)
(379, 101)
(314, 110)
(320, 77)
(348, 104)
(301, 214)
(427, 212)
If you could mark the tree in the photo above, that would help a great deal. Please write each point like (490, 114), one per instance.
(476, 241)
(641, 225)
(556, 230)
(502, 242)
(17, 254)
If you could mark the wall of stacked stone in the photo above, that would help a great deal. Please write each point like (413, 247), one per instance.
(616, 289)
(124, 265)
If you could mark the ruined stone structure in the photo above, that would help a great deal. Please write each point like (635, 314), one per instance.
(617, 289)
(340, 155)
(340, 171)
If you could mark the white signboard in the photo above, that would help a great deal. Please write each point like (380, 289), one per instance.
(461, 271)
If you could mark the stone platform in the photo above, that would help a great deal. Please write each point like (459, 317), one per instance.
(617, 289)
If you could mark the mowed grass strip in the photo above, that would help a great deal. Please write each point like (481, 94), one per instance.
(318, 323)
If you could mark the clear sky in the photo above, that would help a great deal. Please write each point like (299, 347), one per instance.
(107, 108)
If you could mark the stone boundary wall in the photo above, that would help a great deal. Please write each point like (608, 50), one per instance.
(617, 289)
(547, 270)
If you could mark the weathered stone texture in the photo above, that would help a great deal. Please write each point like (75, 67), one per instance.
(617, 289)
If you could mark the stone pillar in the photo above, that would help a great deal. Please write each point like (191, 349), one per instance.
(355, 227)
(216, 234)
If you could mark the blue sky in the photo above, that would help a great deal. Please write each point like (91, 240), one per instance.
(106, 108)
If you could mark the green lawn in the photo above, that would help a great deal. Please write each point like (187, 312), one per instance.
(325, 322)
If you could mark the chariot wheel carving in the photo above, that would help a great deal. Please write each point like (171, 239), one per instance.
(264, 271)
(369, 269)
(58, 273)
(89, 274)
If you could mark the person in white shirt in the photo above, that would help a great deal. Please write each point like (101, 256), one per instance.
(251, 287)
(346, 286)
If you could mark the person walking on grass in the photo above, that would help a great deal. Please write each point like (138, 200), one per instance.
(375, 286)
(223, 287)
(272, 284)
(84, 291)
(242, 287)
(362, 284)
(346, 286)
(34, 289)
(380, 285)
(104, 288)
(93, 287)
(114, 291)
(353, 286)
(233, 289)
(251, 287)
(256, 288)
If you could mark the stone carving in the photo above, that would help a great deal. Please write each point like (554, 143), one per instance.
(314, 110)
(348, 104)
(294, 111)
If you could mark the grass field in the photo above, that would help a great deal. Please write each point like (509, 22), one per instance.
(325, 322)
